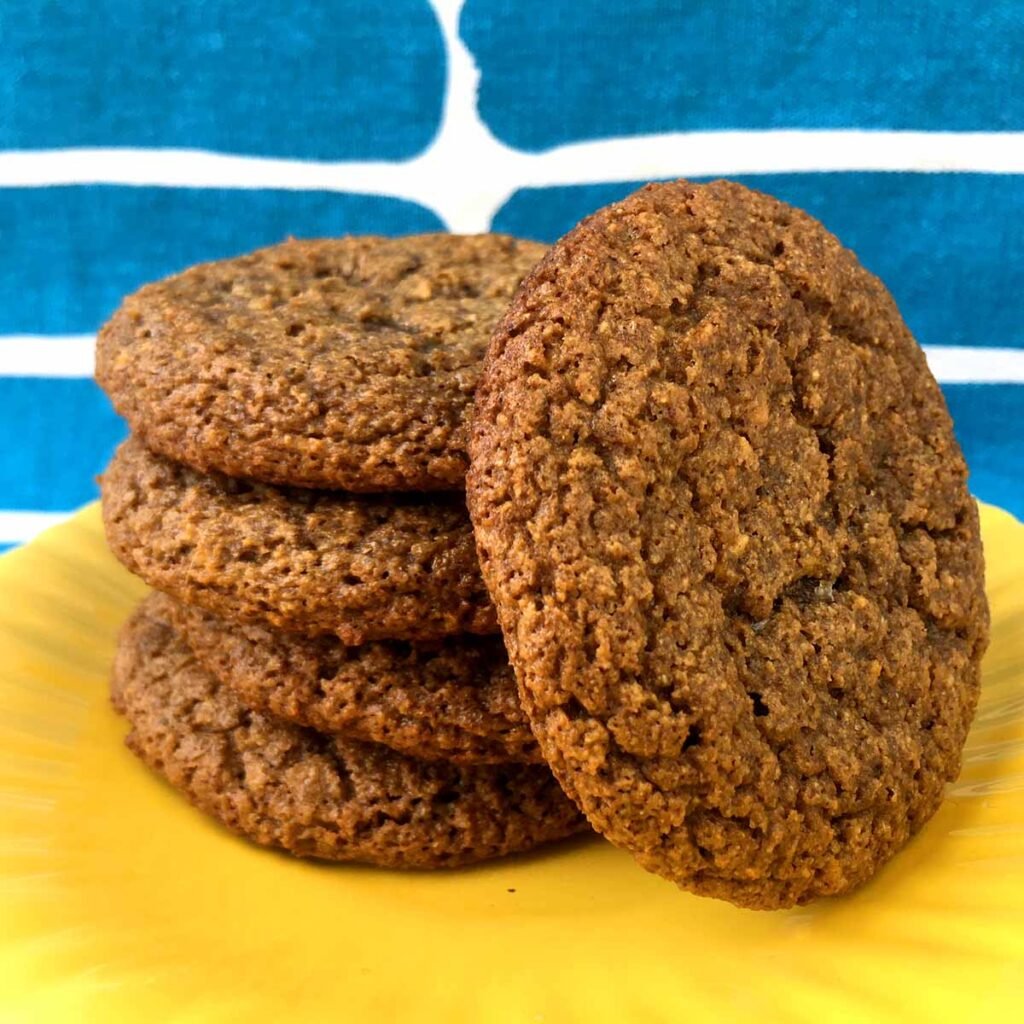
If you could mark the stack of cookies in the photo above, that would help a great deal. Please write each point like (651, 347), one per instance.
(716, 500)
(318, 665)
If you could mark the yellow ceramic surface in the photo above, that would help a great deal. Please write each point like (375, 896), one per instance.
(118, 902)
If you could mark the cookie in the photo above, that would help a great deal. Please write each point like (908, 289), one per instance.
(452, 700)
(720, 507)
(313, 562)
(339, 363)
(315, 795)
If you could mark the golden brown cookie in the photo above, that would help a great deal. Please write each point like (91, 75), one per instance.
(338, 363)
(452, 700)
(725, 521)
(313, 562)
(315, 795)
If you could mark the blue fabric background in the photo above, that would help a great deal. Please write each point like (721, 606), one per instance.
(366, 81)
(274, 77)
(559, 72)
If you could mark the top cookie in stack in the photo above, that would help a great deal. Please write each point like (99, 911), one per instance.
(293, 487)
(339, 363)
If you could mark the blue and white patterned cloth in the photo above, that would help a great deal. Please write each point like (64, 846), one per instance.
(139, 136)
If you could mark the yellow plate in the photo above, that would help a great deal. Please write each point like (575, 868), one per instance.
(119, 902)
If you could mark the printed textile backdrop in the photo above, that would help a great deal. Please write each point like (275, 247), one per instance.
(138, 136)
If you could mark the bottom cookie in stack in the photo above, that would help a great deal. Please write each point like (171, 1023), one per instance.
(312, 793)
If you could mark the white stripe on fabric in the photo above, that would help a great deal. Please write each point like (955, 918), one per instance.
(30, 355)
(630, 158)
(953, 364)
(467, 174)
(18, 527)
(42, 355)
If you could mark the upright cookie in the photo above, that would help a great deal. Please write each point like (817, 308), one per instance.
(339, 363)
(722, 513)
(311, 562)
(315, 795)
(452, 700)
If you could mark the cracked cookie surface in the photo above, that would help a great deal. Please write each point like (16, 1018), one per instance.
(361, 567)
(315, 795)
(720, 508)
(453, 700)
(339, 363)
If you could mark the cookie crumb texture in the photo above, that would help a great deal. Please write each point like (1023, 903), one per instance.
(720, 507)
(315, 795)
(453, 699)
(346, 363)
(312, 562)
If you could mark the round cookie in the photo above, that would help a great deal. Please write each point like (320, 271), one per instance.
(314, 795)
(453, 700)
(720, 508)
(338, 363)
(311, 562)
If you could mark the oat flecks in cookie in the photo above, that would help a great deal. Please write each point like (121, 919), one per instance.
(453, 700)
(346, 363)
(315, 795)
(722, 513)
(312, 562)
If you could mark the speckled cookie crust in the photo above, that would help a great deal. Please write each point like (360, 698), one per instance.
(452, 700)
(337, 363)
(313, 562)
(721, 510)
(315, 795)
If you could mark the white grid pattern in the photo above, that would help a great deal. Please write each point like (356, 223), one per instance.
(467, 174)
